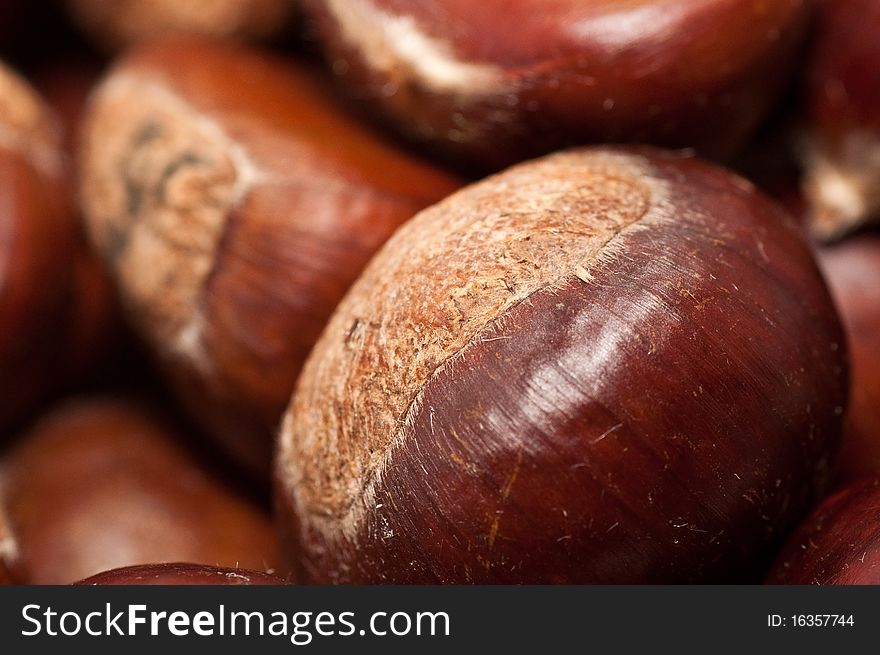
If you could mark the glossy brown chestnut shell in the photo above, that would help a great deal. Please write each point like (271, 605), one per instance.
(235, 203)
(602, 366)
(852, 269)
(102, 483)
(37, 237)
(838, 544)
(180, 574)
(842, 150)
(496, 81)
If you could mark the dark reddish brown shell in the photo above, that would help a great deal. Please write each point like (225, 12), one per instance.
(838, 544)
(37, 233)
(602, 366)
(852, 269)
(497, 81)
(180, 574)
(842, 152)
(100, 484)
(235, 203)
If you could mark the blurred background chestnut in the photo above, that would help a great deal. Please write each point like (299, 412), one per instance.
(496, 81)
(841, 153)
(37, 246)
(838, 544)
(235, 203)
(852, 269)
(603, 366)
(180, 574)
(103, 483)
(120, 23)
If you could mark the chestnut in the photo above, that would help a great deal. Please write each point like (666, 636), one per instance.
(605, 366)
(93, 326)
(37, 245)
(838, 544)
(101, 483)
(493, 82)
(852, 269)
(235, 203)
(121, 23)
(841, 154)
(180, 574)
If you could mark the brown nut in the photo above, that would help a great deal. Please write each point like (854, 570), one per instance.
(497, 81)
(606, 365)
(852, 269)
(838, 544)
(37, 237)
(101, 484)
(235, 204)
(121, 23)
(93, 325)
(180, 574)
(842, 152)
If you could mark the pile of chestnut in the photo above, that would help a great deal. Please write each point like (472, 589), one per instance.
(439, 291)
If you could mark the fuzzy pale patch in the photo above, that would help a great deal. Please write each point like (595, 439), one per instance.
(843, 185)
(158, 190)
(124, 21)
(27, 125)
(8, 545)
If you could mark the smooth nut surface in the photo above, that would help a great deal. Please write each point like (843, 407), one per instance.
(852, 269)
(838, 544)
(37, 233)
(101, 484)
(494, 82)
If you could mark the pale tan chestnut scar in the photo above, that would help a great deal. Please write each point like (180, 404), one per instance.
(158, 191)
(26, 124)
(841, 183)
(397, 47)
(437, 286)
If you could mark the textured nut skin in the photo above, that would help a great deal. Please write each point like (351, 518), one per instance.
(180, 574)
(101, 484)
(838, 544)
(235, 204)
(842, 153)
(602, 366)
(122, 23)
(37, 235)
(852, 269)
(497, 81)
